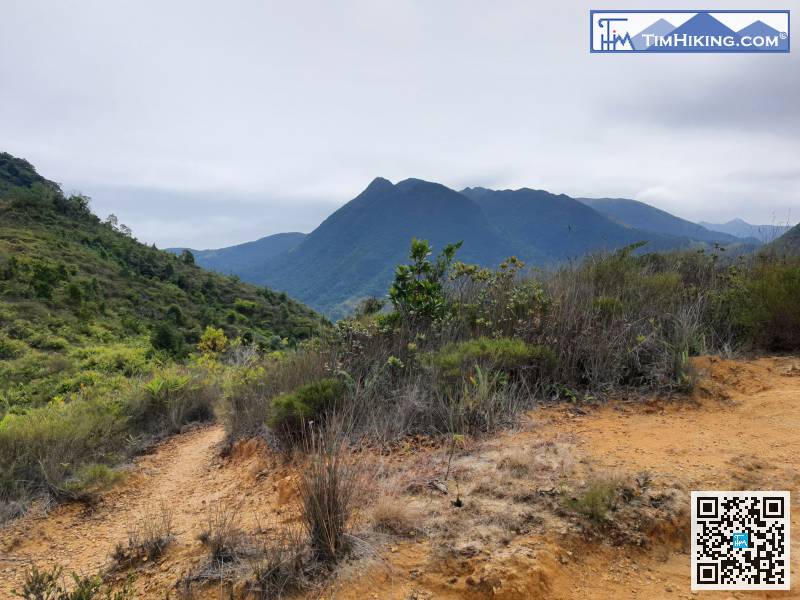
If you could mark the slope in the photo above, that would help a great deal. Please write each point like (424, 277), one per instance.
(82, 301)
(788, 243)
(241, 260)
(560, 226)
(649, 218)
(743, 229)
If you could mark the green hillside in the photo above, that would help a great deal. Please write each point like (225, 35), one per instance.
(788, 244)
(243, 259)
(82, 302)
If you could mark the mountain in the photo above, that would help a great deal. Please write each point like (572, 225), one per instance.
(558, 226)
(649, 218)
(243, 260)
(353, 253)
(788, 243)
(660, 28)
(759, 28)
(82, 302)
(743, 229)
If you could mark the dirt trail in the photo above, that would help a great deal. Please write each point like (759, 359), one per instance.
(740, 431)
(183, 473)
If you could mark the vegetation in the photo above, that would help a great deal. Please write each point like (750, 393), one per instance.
(51, 585)
(83, 304)
(106, 343)
(463, 349)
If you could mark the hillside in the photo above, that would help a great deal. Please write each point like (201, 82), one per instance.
(353, 253)
(83, 302)
(649, 218)
(788, 243)
(743, 229)
(559, 226)
(243, 260)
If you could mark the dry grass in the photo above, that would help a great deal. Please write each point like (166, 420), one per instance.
(328, 488)
(222, 536)
(148, 537)
(393, 514)
(282, 566)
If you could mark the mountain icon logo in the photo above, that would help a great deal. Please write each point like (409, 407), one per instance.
(681, 31)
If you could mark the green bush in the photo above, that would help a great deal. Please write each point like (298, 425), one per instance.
(172, 399)
(47, 446)
(10, 348)
(90, 479)
(289, 412)
(502, 354)
(168, 338)
(764, 303)
(50, 585)
(600, 497)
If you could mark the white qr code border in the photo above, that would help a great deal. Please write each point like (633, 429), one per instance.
(696, 532)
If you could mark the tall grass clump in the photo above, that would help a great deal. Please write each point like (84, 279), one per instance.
(328, 488)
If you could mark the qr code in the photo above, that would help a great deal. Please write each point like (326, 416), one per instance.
(740, 540)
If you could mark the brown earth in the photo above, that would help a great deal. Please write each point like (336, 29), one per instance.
(515, 535)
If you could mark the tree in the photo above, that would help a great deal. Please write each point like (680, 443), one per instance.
(418, 288)
(187, 257)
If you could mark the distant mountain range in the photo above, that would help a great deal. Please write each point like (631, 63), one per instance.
(742, 229)
(648, 218)
(243, 258)
(353, 253)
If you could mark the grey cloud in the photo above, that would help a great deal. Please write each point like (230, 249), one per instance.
(203, 123)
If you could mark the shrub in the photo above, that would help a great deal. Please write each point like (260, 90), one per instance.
(91, 479)
(168, 338)
(289, 412)
(213, 341)
(764, 305)
(148, 537)
(503, 354)
(418, 291)
(50, 585)
(9, 348)
(172, 399)
(597, 499)
(46, 446)
(222, 536)
(281, 568)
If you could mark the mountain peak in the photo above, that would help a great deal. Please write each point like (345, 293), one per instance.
(379, 183)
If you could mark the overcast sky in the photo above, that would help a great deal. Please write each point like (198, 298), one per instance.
(205, 124)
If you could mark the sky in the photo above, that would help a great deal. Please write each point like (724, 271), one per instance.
(205, 123)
